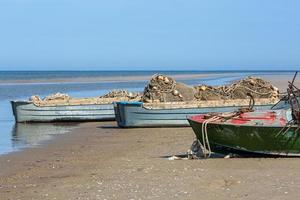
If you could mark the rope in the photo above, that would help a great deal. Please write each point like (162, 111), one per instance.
(288, 126)
(204, 131)
(260, 93)
(205, 136)
(297, 129)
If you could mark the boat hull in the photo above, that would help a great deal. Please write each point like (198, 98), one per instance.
(25, 111)
(250, 139)
(134, 114)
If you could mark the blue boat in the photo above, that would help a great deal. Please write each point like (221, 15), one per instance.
(138, 114)
(27, 111)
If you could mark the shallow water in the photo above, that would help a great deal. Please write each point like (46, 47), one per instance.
(15, 137)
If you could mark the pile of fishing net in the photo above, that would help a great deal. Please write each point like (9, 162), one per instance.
(257, 87)
(64, 99)
(162, 88)
(52, 97)
(122, 94)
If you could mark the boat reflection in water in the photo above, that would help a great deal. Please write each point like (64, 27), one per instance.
(27, 135)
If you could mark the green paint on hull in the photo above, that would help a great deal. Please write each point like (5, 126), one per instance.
(251, 139)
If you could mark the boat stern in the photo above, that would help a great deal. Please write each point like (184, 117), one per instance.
(15, 105)
(122, 112)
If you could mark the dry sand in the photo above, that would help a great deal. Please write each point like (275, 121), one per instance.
(100, 161)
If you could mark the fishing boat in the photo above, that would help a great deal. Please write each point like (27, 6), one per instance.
(139, 114)
(261, 132)
(64, 108)
(26, 111)
(167, 103)
(271, 132)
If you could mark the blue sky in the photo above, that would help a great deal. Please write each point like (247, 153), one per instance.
(156, 34)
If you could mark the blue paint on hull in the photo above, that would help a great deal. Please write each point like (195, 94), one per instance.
(134, 114)
(27, 112)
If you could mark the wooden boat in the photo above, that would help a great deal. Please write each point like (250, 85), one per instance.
(138, 114)
(272, 132)
(92, 109)
(260, 132)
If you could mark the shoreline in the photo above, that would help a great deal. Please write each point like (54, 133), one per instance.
(131, 78)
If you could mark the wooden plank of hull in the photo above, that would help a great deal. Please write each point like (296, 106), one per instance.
(28, 112)
(133, 114)
(250, 139)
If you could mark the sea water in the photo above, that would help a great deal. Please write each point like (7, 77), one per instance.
(23, 84)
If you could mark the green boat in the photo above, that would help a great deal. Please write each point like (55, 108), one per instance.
(272, 132)
(261, 132)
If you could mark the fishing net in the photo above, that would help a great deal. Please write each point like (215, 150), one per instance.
(64, 99)
(122, 94)
(162, 88)
(57, 96)
(257, 87)
(50, 98)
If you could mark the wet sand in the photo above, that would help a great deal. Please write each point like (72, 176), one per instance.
(133, 78)
(281, 81)
(100, 161)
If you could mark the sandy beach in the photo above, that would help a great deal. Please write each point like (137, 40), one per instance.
(101, 161)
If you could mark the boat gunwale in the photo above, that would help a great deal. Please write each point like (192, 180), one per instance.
(58, 105)
(204, 104)
(246, 125)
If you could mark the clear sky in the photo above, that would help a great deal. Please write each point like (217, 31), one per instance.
(149, 34)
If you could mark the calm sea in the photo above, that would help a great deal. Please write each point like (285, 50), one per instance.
(23, 84)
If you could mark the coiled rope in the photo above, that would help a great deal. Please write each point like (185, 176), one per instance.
(206, 144)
